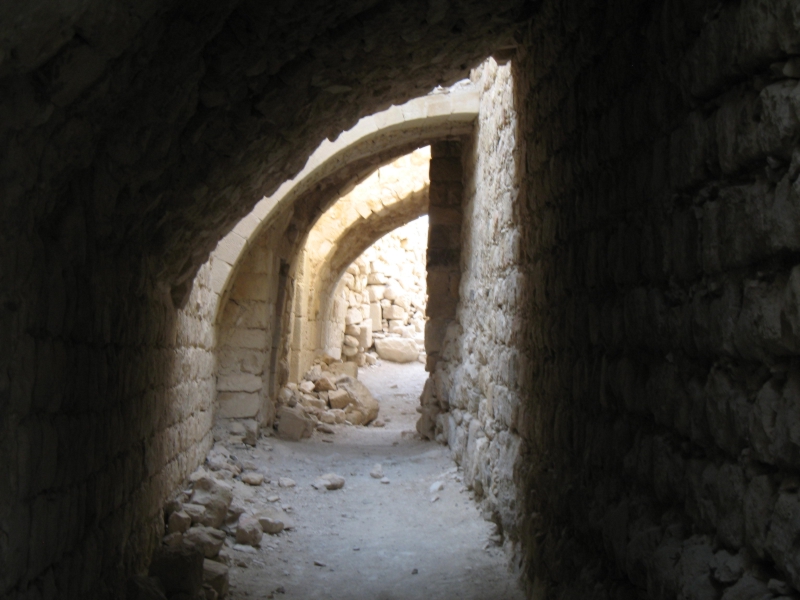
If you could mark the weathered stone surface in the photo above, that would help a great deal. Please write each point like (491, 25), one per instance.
(179, 521)
(252, 478)
(400, 350)
(329, 481)
(271, 523)
(207, 540)
(324, 384)
(215, 574)
(360, 401)
(339, 398)
(293, 424)
(344, 368)
(195, 511)
(215, 496)
(248, 531)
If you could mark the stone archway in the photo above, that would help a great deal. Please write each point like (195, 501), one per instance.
(351, 225)
(253, 349)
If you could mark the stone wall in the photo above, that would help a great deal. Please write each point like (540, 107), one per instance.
(472, 398)
(444, 244)
(248, 345)
(389, 278)
(103, 430)
(660, 162)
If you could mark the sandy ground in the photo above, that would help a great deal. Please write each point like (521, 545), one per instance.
(371, 540)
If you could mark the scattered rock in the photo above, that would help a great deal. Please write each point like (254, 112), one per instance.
(319, 563)
(436, 486)
(216, 496)
(252, 478)
(361, 400)
(273, 498)
(234, 510)
(195, 511)
(386, 480)
(215, 575)
(306, 386)
(346, 368)
(378, 423)
(377, 471)
(339, 399)
(225, 556)
(324, 384)
(179, 521)
(325, 428)
(285, 482)
(237, 428)
(397, 349)
(251, 432)
(328, 417)
(329, 481)
(293, 424)
(270, 525)
(248, 531)
(207, 540)
(209, 593)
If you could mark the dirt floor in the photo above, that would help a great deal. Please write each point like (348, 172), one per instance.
(373, 539)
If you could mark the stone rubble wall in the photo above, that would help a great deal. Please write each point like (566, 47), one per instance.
(387, 282)
(660, 417)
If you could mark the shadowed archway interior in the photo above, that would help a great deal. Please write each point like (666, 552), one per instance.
(619, 377)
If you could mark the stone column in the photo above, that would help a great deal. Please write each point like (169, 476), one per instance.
(444, 245)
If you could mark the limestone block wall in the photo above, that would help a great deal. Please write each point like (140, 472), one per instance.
(659, 423)
(389, 277)
(472, 398)
(247, 341)
(444, 244)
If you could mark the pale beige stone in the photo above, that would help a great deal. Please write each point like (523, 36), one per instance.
(394, 349)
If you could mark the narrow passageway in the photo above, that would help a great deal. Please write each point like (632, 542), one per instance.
(415, 533)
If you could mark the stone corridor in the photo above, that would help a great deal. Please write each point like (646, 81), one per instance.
(612, 334)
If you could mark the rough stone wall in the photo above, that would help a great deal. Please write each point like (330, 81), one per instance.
(472, 398)
(660, 164)
(444, 244)
(396, 263)
(101, 428)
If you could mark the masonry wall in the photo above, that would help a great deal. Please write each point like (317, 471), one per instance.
(389, 277)
(107, 406)
(472, 398)
(659, 165)
(249, 335)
